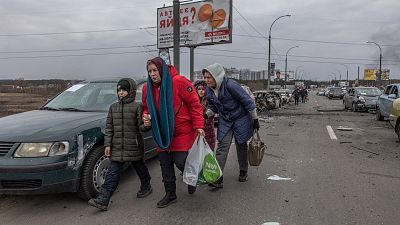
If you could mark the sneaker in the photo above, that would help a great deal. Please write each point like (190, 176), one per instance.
(218, 184)
(142, 193)
(191, 189)
(169, 198)
(243, 176)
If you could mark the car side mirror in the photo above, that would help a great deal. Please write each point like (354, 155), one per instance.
(392, 96)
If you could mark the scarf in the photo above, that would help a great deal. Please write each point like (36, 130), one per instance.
(162, 124)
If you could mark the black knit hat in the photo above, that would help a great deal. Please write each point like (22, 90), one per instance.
(124, 85)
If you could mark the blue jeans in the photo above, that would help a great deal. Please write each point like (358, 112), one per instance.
(114, 172)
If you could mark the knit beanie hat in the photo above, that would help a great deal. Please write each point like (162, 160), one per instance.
(124, 85)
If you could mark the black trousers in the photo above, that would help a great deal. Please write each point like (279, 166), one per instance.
(167, 161)
(114, 172)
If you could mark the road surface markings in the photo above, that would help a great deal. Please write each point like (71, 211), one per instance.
(276, 177)
(331, 132)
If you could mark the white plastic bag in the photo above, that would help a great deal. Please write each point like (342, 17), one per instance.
(194, 161)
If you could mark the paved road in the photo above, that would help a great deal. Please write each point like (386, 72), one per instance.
(352, 180)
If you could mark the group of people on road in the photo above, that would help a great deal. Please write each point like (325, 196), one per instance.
(176, 111)
(300, 94)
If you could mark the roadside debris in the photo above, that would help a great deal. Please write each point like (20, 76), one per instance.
(345, 142)
(364, 150)
(276, 177)
(267, 100)
(291, 124)
(344, 128)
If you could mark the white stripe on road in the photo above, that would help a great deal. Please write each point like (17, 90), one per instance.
(331, 133)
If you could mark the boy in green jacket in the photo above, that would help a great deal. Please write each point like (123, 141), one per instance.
(123, 143)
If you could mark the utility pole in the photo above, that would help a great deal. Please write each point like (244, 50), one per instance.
(177, 33)
(358, 75)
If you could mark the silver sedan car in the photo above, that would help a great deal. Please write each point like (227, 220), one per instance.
(361, 98)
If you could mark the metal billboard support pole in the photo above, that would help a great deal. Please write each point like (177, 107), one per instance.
(192, 63)
(176, 15)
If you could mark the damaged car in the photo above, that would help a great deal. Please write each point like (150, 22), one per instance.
(267, 100)
(59, 148)
(361, 98)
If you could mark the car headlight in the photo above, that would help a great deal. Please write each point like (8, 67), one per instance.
(42, 149)
(362, 99)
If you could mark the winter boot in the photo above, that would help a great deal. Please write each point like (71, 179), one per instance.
(191, 189)
(169, 198)
(102, 201)
(144, 191)
(243, 176)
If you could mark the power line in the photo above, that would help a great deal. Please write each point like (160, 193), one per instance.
(76, 32)
(303, 61)
(77, 49)
(255, 29)
(300, 56)
(76, 55)
(313, 41)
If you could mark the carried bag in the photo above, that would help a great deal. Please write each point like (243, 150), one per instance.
(256, 150)
(211, 170)
(201, 166)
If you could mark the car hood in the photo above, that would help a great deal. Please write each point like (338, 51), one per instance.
(370, 98)
(44, 125)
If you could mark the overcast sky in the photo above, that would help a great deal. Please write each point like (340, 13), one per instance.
(323, 21)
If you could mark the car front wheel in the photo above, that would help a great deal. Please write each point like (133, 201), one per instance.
(93, 174)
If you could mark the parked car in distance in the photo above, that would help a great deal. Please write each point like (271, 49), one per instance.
(321, 92)
(59, 148)
(285, 96)
(385, 101)
(335, 92)
(394, 117)
(361, 98)
(327, 91)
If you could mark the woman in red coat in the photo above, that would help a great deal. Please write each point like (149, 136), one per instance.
(172, 108)
(209, 130)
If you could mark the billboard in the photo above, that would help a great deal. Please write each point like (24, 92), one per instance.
(369, 74)
(201, 23)
(373, 74)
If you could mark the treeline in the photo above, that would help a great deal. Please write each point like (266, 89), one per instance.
(43, 87)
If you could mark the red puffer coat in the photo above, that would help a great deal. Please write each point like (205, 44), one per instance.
(187, 109)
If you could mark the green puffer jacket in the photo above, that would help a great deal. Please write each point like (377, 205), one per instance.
(122, 128)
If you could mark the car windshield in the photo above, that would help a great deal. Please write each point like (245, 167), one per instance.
(85, 97)
(369, 91)
(336, 90)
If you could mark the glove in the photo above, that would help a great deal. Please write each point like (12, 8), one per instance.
(256, 124)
